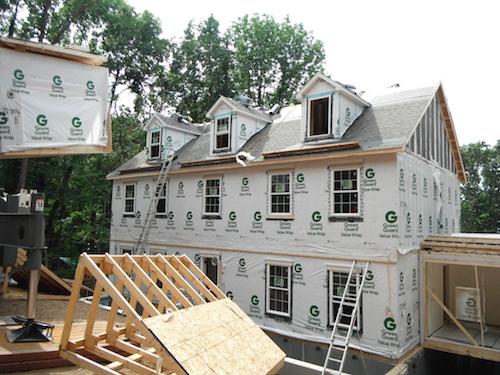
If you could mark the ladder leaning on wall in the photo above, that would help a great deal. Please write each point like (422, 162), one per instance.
(153, 205)
(345, 320)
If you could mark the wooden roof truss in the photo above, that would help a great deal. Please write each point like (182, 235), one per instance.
(177, 321)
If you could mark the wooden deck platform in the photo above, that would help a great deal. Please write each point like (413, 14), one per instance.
(17, 357)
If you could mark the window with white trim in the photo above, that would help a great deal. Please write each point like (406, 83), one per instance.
(280, 194)
(279, 289)
(129, 201)
(337, 281)
(320, 117)
(346, 192)
(161, 205)
(212, 198)
(155, 144)
(222, 139)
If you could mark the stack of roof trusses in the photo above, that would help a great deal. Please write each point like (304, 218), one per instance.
(177, 321)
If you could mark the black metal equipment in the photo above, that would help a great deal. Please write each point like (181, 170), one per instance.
(22, 224)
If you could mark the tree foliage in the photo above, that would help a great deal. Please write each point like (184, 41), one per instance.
(258, 56)
(481, 192)
(273, 60)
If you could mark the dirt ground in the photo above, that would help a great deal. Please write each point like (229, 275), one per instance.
(50, 311)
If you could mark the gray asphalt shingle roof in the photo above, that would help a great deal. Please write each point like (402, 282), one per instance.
(388, 123)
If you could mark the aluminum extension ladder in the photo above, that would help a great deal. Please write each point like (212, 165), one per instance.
(150, 215)
(345, 320)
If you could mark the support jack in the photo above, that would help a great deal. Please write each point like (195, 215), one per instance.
(31, 331)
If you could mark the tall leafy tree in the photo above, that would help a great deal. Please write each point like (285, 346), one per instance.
(272, 60)
(200, 69)
(136, 54)
(481, 193)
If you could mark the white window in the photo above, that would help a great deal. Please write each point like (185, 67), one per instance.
(320, 115)
(222, 139)
(346, 192)
(212, 197)
(155, 144)
(129, 201)
(161, 205)
(337, 281)
(280, 193)
(279, 289)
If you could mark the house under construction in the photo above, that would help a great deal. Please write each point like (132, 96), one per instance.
(274, 206)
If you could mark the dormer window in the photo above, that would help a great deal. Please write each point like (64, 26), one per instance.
(155, 144)
(222, 134)
(320, 117)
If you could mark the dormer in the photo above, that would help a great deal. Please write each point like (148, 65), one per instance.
(165, 135)
(329, 108)
(233, 122)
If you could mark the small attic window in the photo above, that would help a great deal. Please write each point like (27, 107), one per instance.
(155, 144)
(319, 117)
(222, 134)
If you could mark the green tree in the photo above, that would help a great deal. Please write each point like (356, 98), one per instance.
(273, 60)
(481, 193)
(136, 54)
(200, 69)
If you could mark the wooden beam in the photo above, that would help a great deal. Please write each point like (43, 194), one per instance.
(448, 346)
(202, 276)
(180, 282)
(450, 314)
(75, 296)
(181, 267)
(134, 290)
(128, 362)
(168, 285)
(87, 363)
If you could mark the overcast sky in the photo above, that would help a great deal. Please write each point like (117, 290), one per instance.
(373, 44)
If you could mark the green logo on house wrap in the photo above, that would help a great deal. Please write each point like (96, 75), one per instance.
(18, 74)
(315, 227)
(18, 81)
(3, 118)
(57, 89)
(245, 188)
(387, 335)
(314, 310)
(313, 320)
(390, 228)
(297, 275)
(231, 223)
(300, 185)
(257, 225)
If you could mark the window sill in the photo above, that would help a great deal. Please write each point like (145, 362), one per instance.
(350, 219)
(160, 216)
(211, 217)
(222, 151)
(280, 217)
(322, 137)
(278, 316)
(128, 215)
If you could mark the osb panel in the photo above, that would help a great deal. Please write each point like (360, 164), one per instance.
(216, 338)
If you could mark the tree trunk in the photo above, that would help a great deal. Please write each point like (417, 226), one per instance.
(23, 173)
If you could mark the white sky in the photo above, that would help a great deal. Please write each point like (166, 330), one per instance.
(373, 44)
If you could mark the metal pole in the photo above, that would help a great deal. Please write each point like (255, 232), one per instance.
(32, 294)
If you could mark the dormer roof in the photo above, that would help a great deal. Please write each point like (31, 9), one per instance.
(237, 106)
(179, 122)
(339, 87)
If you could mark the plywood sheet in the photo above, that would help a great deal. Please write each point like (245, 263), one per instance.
(216, 338)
